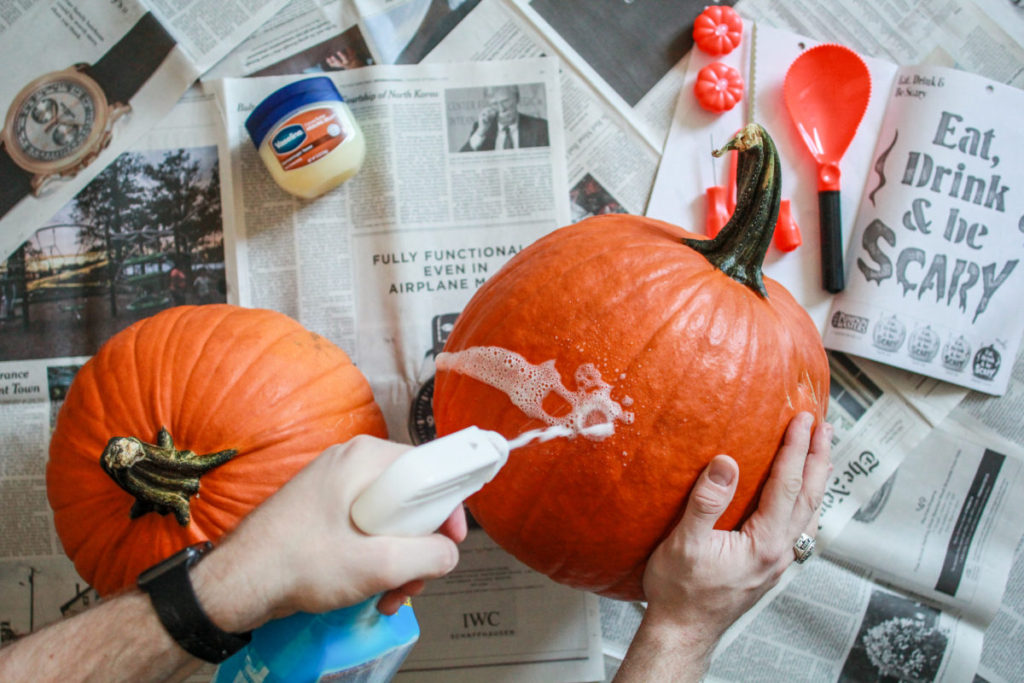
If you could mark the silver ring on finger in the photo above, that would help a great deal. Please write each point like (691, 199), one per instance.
(803, 548)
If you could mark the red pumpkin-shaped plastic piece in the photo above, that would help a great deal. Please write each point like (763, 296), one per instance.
(222, 404)
(702, 354)
(719, 87)
(718, 30)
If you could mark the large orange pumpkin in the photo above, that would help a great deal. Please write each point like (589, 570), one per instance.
(701, 354)
(251, 393)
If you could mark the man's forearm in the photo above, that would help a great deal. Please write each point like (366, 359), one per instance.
(80, 649)
(660, 653)
(122, 639)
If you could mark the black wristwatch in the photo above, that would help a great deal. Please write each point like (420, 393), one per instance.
(175, 602)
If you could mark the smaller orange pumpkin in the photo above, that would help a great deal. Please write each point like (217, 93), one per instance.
(183, 423)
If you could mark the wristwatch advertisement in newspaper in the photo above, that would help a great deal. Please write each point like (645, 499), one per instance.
(421, 412)
(60, 122)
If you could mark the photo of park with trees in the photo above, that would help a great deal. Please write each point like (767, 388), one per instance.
(146, 234)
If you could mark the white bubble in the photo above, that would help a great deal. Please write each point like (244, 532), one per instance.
(527, 385)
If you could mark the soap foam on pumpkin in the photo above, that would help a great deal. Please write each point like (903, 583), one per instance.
(527, 385)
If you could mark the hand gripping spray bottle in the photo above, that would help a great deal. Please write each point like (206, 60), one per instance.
(412, 497)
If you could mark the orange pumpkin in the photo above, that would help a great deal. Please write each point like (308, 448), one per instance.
(703, 354)
(222, 404)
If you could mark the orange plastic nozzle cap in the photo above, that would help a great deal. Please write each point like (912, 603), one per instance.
(717, 213)
(787, 232)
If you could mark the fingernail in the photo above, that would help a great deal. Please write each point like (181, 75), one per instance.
(806, 420)
(720, 473)
(828, 430)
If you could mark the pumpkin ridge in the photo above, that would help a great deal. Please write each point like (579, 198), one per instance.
(200, 349)
(105, 364)
(241, 371)
(314, 379)
(283, 432)
(558, 277)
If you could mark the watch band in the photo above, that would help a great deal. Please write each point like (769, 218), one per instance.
(15, 182)
(132, 60)
(174, 600)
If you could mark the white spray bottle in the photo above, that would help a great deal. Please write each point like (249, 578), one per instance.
(412, 497)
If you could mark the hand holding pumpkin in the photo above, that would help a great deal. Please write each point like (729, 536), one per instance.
(299, 550)
(700, 579)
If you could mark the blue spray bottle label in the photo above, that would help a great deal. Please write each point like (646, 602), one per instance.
(355, 645)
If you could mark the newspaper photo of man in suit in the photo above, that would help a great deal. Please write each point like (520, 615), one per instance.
(500, 124)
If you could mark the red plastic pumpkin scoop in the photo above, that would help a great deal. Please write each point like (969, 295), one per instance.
(827, 89)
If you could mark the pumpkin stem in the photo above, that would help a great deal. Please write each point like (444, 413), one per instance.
(740, 247)
(161, 478)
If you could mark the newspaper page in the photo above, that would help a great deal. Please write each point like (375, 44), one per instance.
(610, 166)
(67, 307)
(911, 584)
(1000, 660)
(304, 37)
(382, 266)
(1000, 654)
(83, 81)
(494, 617)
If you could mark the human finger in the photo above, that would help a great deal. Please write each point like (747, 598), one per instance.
(397, 561)
(817, 468)
(391, 601)
(709, 497)
(455, 527)
(785, 481)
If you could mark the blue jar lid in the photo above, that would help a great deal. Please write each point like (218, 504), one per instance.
(285, 100)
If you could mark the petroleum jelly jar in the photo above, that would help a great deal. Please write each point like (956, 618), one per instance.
(307, 137)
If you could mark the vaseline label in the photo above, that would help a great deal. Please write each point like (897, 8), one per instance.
(527, 385)
(307, 136)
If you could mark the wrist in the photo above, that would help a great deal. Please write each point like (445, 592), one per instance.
(694, 641)
(230, 591)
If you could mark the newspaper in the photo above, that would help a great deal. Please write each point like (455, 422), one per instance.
(602, 141)
(909, 588)
(382, 266)
(304, 37)
(932, 260)
(83, 81)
